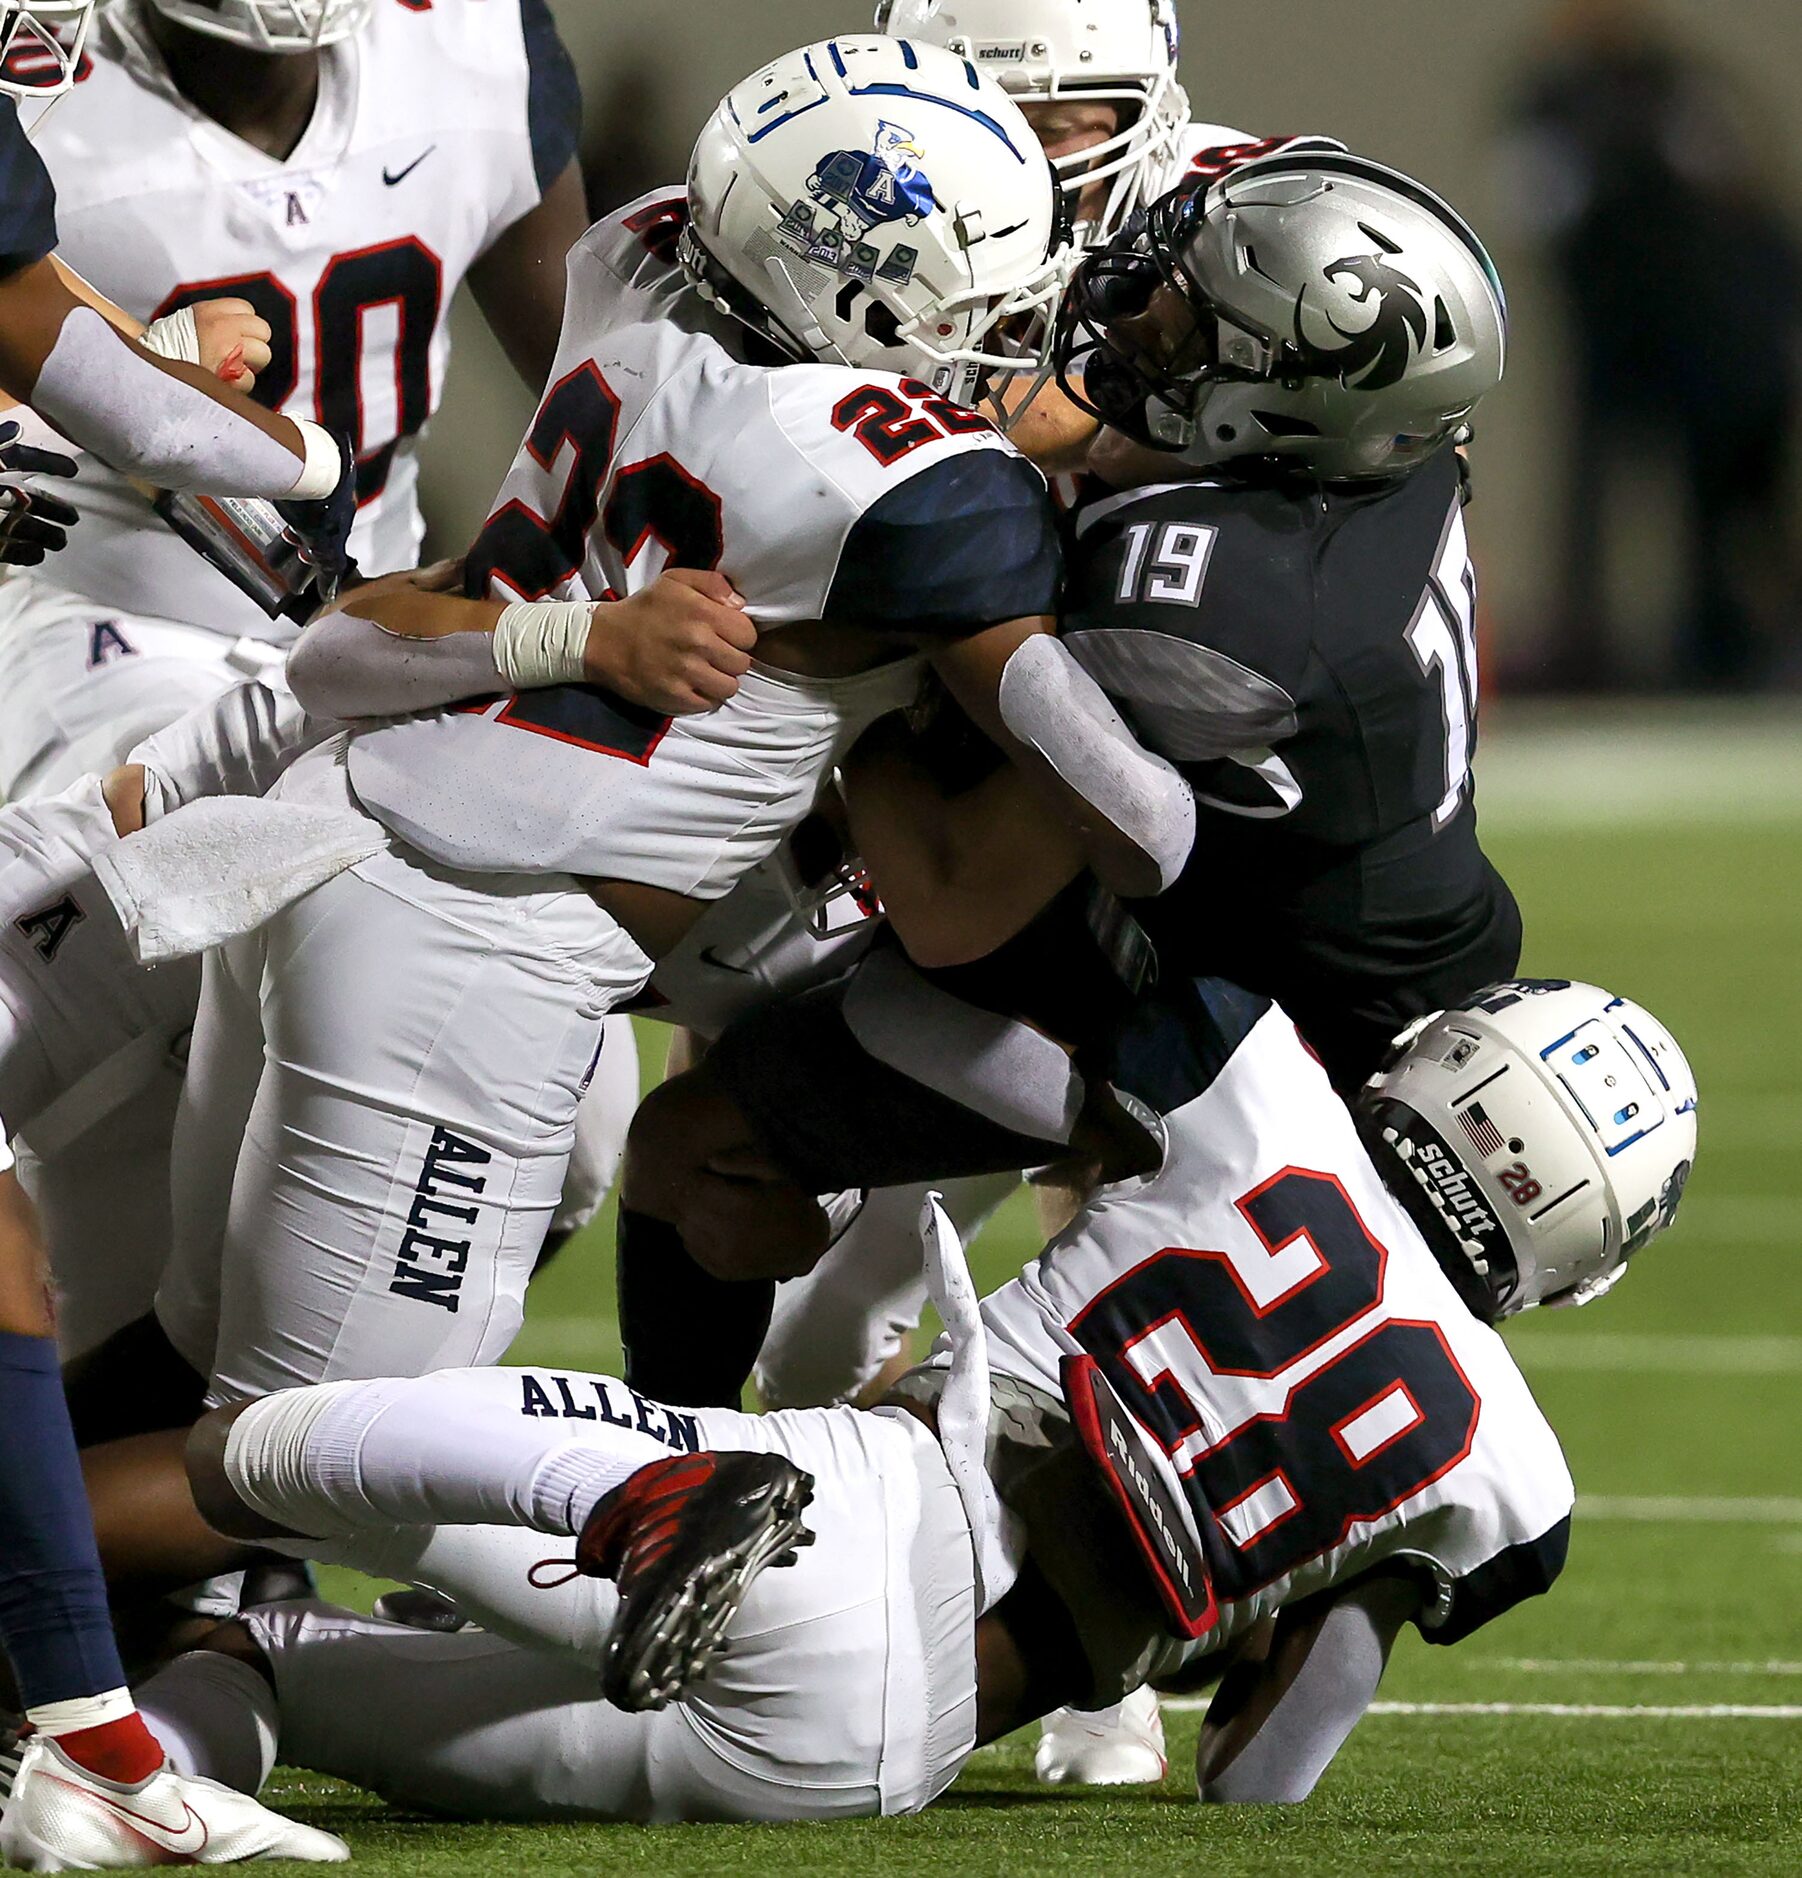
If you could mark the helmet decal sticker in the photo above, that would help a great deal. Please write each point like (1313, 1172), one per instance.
(884, 184)
(1382, 349)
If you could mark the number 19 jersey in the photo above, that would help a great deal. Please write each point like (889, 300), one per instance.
(434, 130)
(1306, 655)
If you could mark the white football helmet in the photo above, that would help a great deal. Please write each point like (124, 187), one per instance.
(1540, 1136)
(870, 202)
(41, 43)
(270, 25)
(1119, 52)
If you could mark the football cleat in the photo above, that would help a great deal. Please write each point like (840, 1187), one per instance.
(1121, 1746)
(63, 1818)
(684, 1539)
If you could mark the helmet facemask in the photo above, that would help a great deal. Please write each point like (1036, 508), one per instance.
(1155, 403)
(41, 43)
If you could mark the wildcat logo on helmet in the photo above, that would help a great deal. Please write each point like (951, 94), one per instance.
(1382, 350)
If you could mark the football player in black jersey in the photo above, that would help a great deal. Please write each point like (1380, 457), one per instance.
(107, 1796)
(1285, 615)
(1293, 622)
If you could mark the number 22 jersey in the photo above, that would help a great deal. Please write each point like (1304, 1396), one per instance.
(822, 492)
(434, 130)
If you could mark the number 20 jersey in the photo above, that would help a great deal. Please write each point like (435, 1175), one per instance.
(1318, 1394)
(822, 492)
(434, 130)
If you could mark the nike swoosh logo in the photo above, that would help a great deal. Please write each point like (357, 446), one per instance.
(709, 957)
(188, 1843)
(400, 176)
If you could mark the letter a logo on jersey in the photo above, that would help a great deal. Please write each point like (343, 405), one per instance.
(297, 215)
(106, 643)
(51, 925)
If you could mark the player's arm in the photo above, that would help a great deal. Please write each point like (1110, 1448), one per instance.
(1289, 1700)
(960, 871)
(411, 642)
(518, 283)
(961, 559)
(167, 422)
(1134, 814)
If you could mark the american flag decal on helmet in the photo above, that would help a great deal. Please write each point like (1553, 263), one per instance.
(1481, 1129)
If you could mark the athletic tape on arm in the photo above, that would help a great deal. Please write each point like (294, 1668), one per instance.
(99, 390)
(345, 667)
(1049, 702)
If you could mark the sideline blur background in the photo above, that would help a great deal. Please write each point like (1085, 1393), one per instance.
(1631, 162)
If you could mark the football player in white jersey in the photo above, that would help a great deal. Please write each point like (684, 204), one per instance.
(1264, 1457)
(385, 1072)
(338, 168)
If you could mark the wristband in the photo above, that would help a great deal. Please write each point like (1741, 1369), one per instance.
(175, 336)
(543, 642)
(323, 465)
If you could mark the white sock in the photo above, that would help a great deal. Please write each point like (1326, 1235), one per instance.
(215, 1716)
(460, 1448)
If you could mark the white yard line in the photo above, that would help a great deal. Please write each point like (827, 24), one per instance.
(1657, 1509)
(1724, 1355)
(1628, 1666)
(1589, 769)
(1578, 1711)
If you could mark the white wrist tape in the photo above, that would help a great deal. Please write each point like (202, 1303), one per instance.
(323, 466)
(1048, 701)
(175, 336)
(542, 642)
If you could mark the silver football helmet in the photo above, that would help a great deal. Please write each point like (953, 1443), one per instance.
(271, 25)
(41, 44)
(1118, 52)
(1540, 1135)
(1334, 314)
(873, 203)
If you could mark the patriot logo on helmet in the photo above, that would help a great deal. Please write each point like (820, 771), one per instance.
(884, 184)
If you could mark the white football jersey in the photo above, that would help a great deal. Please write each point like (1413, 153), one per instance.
(1207, 151)
(435, 129)
(822, 492)
(1317, 1395)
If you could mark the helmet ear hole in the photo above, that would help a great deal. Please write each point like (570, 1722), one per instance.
(881, 324)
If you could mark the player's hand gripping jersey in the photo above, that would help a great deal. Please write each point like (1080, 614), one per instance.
(435, 129)
(1319, 1400)
(823, 493)
(1306, 655)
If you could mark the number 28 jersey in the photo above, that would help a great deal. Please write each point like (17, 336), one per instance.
(435, 129)
(1313, 1388)
(1306, 656)
(822, 492)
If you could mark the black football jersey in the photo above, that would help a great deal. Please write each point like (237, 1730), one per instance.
(1306, 656)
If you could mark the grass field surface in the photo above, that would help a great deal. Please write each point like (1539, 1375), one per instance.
(1646, 1717)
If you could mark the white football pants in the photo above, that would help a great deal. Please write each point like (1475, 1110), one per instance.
(379, 1109)
(848, 1686)
(833, 1330)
